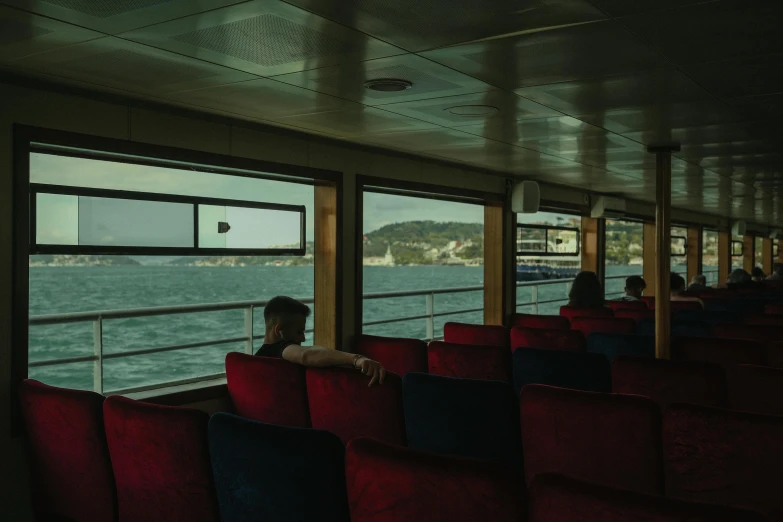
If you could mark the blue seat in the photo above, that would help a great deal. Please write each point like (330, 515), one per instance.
(270, 473)
(463, 417)
(678, 328)
(612, 345)
(575, 370)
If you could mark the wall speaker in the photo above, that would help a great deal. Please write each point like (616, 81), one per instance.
(525, 198)
(739, 228)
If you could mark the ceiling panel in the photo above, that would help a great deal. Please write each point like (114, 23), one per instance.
(533, 130)
(115, 16)
(119, 64)
(628, 7)
(712, 31)
(428, 79)
(423, 140)
(558, 55)
(355, 121)
(417, 25)
(264, 37)
(23, 34)
(695, 135)
(751, 76)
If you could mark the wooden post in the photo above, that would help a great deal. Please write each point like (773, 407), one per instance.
(648, 257)
(493, 265)
(694, 252)
(590, 245)
(663, 211)
(325, 271)
(766, 255)
(748, 253)
(724, 256)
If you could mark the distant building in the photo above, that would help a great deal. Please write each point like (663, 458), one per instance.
(387, 260)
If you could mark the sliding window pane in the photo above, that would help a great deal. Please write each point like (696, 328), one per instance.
(240, 227)
(623, 255)
(57, 219)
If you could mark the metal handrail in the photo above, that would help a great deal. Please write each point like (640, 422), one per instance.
(97, 318)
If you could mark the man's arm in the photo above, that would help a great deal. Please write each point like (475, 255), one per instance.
(317, 357)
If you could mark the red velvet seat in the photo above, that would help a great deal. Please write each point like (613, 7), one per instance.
(475, 334)
(724, 456)
(556, 498)
(726, 352)
(397, 354)
(610, 439)
(588, 325)
(666, 382)
(685, 305)
(342, 403)
(626, 305)
(754, 332)
(542, 339)
(757, 389)
(469, 362)
(649, 300)
(70, 469)
(774, 309)
(160, 457)
(635, 315)
(391, 484)
(774, 354)
(763, 320)
(550, 322)
(580, 311)
(268, 389)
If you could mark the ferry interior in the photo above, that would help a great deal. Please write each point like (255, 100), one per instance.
(429, 177)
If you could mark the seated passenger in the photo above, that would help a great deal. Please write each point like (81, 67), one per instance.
(285, 320)
(757, 274)
(677, 286)
(777, 272)
(740, 278)
(698, 284)
(634, 288)
(586, 291)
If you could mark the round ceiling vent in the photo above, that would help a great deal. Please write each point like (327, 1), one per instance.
(473, 110)
(388, 85)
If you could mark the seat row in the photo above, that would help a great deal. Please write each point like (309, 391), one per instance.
(99, 460)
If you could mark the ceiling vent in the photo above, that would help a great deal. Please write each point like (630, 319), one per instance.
(388, 85)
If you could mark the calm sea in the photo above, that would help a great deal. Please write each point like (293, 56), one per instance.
(55, 290)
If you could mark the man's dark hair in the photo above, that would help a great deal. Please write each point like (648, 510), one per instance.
(635, 282)
(676, 282)
(282, 306)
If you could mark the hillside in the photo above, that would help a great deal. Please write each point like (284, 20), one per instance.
(68, 260)
(426, 242)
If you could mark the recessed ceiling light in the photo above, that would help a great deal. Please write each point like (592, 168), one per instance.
(473, 110)
(388, 85)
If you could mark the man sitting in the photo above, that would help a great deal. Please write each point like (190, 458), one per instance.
(677, 285)
(634, 288)
(285, 320)
(698, 284)
(777, 272)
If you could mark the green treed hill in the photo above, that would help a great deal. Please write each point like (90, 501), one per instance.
(435, 233)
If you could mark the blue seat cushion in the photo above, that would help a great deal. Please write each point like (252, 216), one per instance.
(575, 370)
(612, 345)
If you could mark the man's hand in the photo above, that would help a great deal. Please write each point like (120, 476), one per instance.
(372, 369)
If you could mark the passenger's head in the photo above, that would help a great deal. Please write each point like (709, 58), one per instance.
(699, 279)
(285, 319)
(739, 277)
(778, 268)
(757, 273)
(634, 286)
(676, 283)
(586, 291)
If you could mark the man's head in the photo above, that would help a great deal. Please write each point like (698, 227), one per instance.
(739, 276)
(778, 268)
(699, 279)
(677, 283)
(285, 319)
(634, 286)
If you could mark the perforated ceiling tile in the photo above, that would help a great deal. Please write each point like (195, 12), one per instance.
(356, 121)
(105, 8)
(15, 31)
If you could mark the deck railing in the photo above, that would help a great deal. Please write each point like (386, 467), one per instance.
(249, 336)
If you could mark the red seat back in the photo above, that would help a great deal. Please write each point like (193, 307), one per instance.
(160, 457)
(268, 390)
(69, 459)
(626, 305)
(741, 331)
(398, 355)
(588, 325)
(342, 403)
(635, 315)
(774, 354)
(726, 352)
(685, 305)
(774, 309)
(568, 340)
(757, 389)
(475, 334)
(725, 457)
(762, 320)
(556, 498)
(579, 311)
(390, 483)
(551, 322)
(666, 382)
(649, 300)
(491, 363)
(611, 439)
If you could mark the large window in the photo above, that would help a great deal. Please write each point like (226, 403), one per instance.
(709, 255)
(624, 254)
(548, 258)
(679, 251)
(110, 291)
(737, 253)
(422, 247)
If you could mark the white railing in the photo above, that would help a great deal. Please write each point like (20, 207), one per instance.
(249, 336)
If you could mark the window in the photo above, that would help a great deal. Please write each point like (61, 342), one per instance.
(153, 284)
(422, 247)
(737, 253)
(709, 253)
(679, 251)
(624, 254)
(548, 259)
